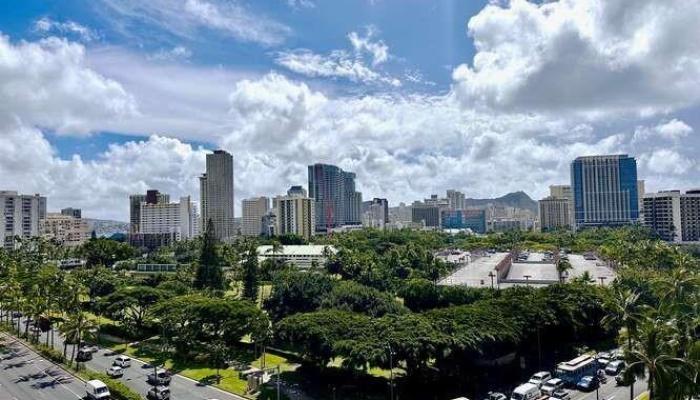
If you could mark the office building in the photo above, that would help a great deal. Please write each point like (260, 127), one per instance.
(135, 201)
(295, 215)
(427, 215)
(297, 190)
(400, 214)
(674, 216)
(604, 190)
(253, 211)
(178, 220)
(336, 202)
(21, 215)
(456, 200)
(73, 212)
(472, 219)
(375, 213)
(65, 229)
(216, 194)
(554, 213)
(505, 225)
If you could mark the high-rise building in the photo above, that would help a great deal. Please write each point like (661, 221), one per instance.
(456, 200)
(554, 213)
(295, 214)
(400, 213)
(297, 190)
(428, 215)
(604, 190)
(73, 212)
(65, 229)
(216, 194)
(336, 202)
(21, 215)
(472, 219)
(375, 213)
(254, 210)
(674, 216)
(135, 201)
(179, 220)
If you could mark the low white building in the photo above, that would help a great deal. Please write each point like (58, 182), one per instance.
(302, 256)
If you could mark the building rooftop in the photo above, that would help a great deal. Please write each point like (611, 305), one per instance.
(310, 249)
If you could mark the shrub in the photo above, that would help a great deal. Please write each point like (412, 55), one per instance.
(51, 353)
(118, 390)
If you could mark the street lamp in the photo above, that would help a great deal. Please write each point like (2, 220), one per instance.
(491, 275)
(391, 372)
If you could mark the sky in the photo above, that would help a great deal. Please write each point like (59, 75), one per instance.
(100, 99)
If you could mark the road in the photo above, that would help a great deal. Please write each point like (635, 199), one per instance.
(609, 391)
(24, 375)
(181, 388)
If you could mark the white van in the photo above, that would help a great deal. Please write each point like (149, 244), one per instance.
(96, 390)
(526, 391)
(122, 361)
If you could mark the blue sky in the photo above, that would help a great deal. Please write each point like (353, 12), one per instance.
(111, 97)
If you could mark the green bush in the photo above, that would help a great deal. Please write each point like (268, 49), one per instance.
(117, 390)
(51, 353)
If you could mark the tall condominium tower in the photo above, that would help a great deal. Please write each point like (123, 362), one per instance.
(336, 201)
(135, 200)
(252, 215)
(216, 194)
(295, 214)
(604, 190)
(21, 215)
(674, 216)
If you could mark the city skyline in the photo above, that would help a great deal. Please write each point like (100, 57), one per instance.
(413, 98)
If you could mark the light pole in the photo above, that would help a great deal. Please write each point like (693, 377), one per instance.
(491, 275)
(602, 279)
(527, 279)
(391, 373)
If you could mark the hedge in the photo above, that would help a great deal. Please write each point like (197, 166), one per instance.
(117, 389)
(51, 353)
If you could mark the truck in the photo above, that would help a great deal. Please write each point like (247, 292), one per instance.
(96, 390)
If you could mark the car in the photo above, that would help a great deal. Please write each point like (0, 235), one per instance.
(560, 394)
(614, 367)
(159, 377)
(588, 383)
(158, 393)
(622, 380)
(96, 390)
(83, 356)
(540, 378)
(551, 386)
(115, 372)
(496, 396)
(122, 361)
(526, 391)
(89, 348)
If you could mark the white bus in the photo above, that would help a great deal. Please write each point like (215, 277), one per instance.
(572, 371)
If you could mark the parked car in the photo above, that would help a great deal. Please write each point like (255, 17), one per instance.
(560, 394)
(91, 348)
(96, 390)
(526, 391)
(115, 372)
(551, 386)
(159, 377)
(158, 393)
(496, 396)
(603, 358)
(83, 356)
(614, 367)
(122, 361)
(588, 383)
(540, 378)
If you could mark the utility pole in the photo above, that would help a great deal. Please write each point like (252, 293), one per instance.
(491, 275)
(391, 373)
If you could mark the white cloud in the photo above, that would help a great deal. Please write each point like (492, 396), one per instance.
(342, 63)
(174, 54)
(673, 130)
(301, 3)
(584, 56)
(666, 161)
(49, 26)
(46, 83)
(184, 18)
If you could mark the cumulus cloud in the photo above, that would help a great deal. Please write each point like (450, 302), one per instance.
(47, 83)
(666, 161)
(673, 130)
(49, 26)
(344, 64)
(184, 18)
(583, 56)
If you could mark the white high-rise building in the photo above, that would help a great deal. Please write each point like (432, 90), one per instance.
(21, 215)
(674, 216)
(554, 213)
(295, 214)
(67, 230)
(254, 210)
(216, 194)
(177, 219)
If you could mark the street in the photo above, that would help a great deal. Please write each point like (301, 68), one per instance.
(609, 391)
(24, 375)
(135, 377)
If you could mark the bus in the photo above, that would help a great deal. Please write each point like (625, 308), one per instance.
(572, 371)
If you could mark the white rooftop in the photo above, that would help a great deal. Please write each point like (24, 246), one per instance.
(291, 250)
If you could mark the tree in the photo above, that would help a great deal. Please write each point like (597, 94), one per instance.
(296, 291)
(563, 266)
(250, 274)
(209, 274)
(131, 305)
(76, 328)
(102, 251)
(351, 296)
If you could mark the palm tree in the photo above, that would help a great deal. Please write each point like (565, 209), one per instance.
(76, 328)
(563, 265)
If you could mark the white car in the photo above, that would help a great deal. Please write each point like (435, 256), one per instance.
(115, 372)
(122, 361)
(540, 378)
(551, 386)
(89, 349)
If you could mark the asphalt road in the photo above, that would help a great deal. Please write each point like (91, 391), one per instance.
(24, 375)
(609, 391)
(181, 388)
